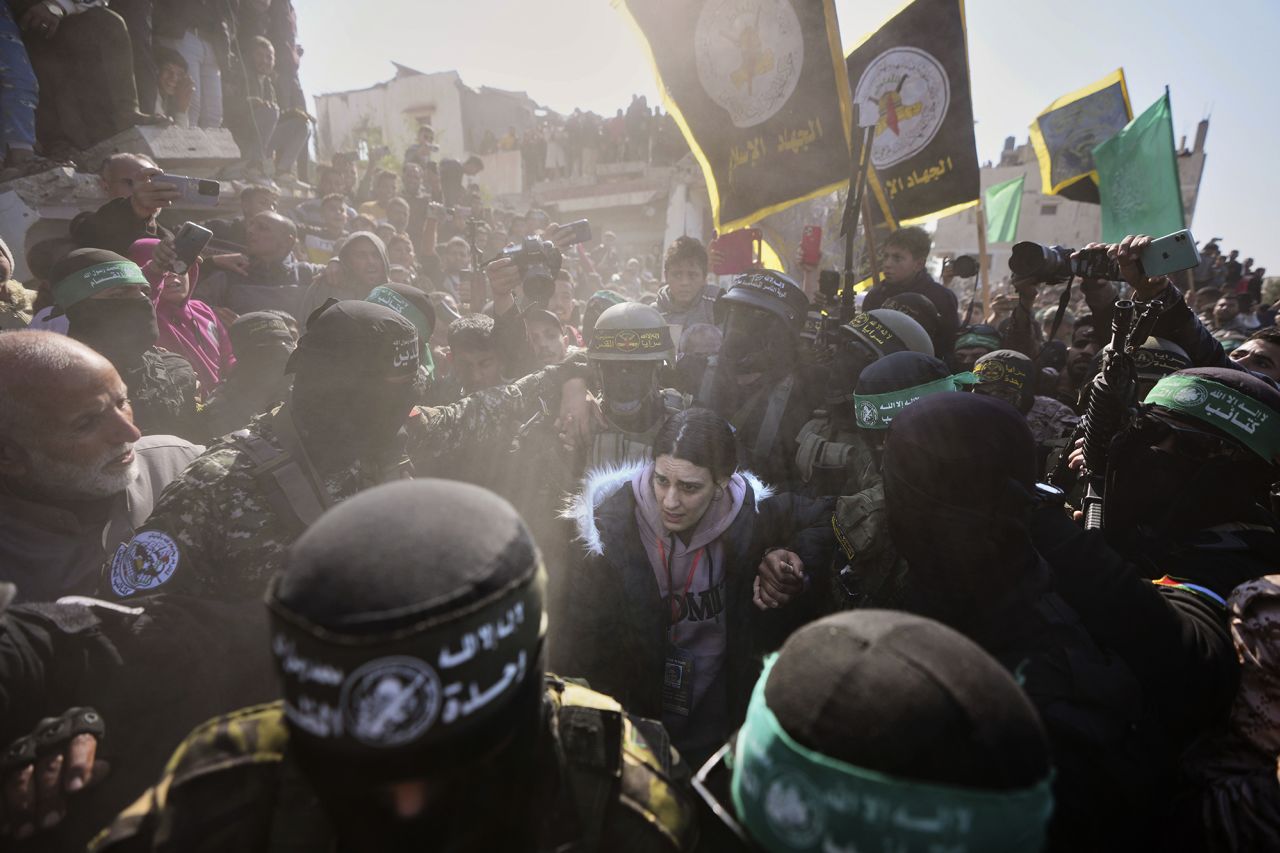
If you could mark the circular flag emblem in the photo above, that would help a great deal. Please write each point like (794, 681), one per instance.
(867, 413)
(390, 701)
(910, 91)
(749, 55)
(992, 371)
(1191, 395)
(792, 808)
(627, 341)
(144, 562)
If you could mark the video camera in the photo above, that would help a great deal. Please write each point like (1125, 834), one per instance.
(1055, 264)
(538, 261)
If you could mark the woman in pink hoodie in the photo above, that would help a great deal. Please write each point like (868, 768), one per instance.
(187, 326)
(688, 579)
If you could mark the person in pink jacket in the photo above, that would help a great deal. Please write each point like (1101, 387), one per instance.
(187, 326)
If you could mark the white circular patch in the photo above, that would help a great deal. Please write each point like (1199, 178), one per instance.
(867, 413)
(911, 92)
(749, 55)
(145, 562)
(793, 809)
(390, 701)
(1191, 395)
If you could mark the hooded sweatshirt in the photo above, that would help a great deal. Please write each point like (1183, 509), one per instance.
(189, 328)
(321, 289)
(691, 579)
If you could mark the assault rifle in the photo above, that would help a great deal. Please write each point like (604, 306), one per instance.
(1112, 399)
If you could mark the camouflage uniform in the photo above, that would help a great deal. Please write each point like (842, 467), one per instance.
(838, 460)
(1050, 420)
(233, 785)
(230, 409)
(216, 531)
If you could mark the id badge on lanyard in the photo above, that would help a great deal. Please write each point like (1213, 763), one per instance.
(677, 681)
(678, 667)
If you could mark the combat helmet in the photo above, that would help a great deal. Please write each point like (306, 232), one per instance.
(768, 291)
(631, 331)
(887, 331)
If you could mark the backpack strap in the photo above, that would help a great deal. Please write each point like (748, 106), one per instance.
(777, 407)
(291, 492)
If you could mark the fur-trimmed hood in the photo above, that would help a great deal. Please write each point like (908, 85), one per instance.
(600, 484)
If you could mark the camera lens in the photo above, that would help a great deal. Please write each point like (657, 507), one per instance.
(1027, 258)
(964, 266)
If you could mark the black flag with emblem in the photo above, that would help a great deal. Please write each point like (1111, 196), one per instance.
(758, 88)
(913, 73)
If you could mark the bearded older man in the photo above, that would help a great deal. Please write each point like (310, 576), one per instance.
(76, 477)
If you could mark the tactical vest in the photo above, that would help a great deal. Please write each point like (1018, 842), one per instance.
(290, 483)
(606, 759)
(608, 756)
(834, 460)
(614, 447)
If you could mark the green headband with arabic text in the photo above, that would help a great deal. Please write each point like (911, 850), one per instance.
(790, 797)
(385, 296)
(1241, 417)
(88, 282)
(877, 411)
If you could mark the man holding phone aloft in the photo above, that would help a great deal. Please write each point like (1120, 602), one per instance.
(131, 214)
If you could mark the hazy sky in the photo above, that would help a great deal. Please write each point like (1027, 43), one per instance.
(1216, 58)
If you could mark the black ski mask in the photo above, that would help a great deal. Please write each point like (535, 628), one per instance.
(357, 413)
(1200, 481)
(120, 329)
(354, 377)
(627, 386)
(959, 471)
(755, 342)
(851, 358)
(426, 596)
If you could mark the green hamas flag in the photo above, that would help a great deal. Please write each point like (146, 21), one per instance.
(913, 73)
(1003, 206)
(1138, 177)
(1065, 134)
(758, 89)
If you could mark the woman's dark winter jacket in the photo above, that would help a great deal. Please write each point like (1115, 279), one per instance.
(616, 622)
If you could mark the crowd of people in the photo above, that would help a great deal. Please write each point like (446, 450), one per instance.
(76, 72)
(575, 145)
(810, 573)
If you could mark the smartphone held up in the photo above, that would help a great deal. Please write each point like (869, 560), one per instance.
(200, 192)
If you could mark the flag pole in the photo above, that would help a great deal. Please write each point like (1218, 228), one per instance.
(868, 228)
(852, 211)
(984, 272)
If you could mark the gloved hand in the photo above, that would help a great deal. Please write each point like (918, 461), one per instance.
(39, 770)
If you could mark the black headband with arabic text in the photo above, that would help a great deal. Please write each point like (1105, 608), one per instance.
(429, 683)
